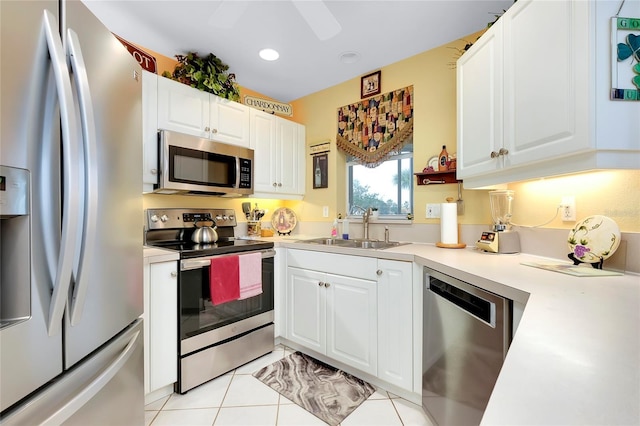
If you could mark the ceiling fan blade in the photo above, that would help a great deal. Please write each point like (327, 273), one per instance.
(319, 18)
(227, 14)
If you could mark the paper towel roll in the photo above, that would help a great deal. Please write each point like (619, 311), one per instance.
(449, 223)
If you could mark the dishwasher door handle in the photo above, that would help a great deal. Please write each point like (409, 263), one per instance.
(480, 308)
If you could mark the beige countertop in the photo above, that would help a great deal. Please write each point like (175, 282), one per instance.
(575, 358)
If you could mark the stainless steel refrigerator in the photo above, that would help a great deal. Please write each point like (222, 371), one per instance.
(70, 219)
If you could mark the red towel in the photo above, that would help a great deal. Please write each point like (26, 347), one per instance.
(224, 279)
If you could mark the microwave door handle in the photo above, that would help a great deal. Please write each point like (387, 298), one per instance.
(238, 173)
(89, 224)
(70, 178)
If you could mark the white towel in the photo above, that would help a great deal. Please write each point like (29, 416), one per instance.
(250, 266)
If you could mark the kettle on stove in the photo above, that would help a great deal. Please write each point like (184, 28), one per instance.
(204, 234)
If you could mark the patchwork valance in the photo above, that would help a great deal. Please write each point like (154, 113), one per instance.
(376, 128)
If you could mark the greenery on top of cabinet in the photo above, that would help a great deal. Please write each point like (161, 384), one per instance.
(208, 74)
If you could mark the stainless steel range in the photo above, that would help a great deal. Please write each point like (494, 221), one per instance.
(213, 338)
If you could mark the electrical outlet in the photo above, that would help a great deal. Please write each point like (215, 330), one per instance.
(568, 208)
(433, 211)
(325, 211)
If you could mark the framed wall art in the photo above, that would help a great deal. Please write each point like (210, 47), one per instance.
(370, 85)
(320, 175)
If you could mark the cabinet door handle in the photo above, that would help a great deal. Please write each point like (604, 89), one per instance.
(154, 171)
(275, 184)
(379, 272)
(503, 151)
(174, 274)
(207, 129)
(279, 184)
(327, 284)
(320, 284)
(214, 130)
(494, 154)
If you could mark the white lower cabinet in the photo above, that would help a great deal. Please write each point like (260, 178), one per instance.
(395, 319)
(334, 315)
(160, 327)
(355, 310)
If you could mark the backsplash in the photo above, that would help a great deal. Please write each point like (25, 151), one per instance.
(551, 243)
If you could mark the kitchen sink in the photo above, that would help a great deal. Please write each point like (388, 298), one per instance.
(365, 244)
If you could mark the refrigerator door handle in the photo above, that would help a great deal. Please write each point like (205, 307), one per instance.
(85, 395)
(88, 225)
(70, 178)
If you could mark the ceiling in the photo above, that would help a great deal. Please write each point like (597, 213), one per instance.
(310, 35)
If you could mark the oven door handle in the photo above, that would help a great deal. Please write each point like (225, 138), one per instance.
(202, 262)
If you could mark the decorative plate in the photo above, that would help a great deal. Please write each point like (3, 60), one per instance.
(594, 238)
(284, 220)
(433, 162)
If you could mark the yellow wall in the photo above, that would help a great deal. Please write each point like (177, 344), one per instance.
(433, 76)
(612, 193)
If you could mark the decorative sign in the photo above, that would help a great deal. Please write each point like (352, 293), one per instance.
(320, 148)
(625, 61)
(376, 128)
(145, 60)
(269, 106)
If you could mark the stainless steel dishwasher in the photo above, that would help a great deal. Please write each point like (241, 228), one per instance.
(467, 332)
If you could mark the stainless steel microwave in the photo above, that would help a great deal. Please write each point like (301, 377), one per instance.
(192, 165)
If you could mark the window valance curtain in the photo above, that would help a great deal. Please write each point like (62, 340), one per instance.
(376, 128)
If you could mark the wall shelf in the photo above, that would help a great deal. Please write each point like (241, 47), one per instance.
(437, 177)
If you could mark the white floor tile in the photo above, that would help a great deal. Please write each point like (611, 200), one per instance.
(373, 412)
(156, 405)
(294, 415)
(264, 415)
(410, 413)
(263, 361)
(379, 394)
(208, 395)
(247, 390)
(149, 416)
(197, 417)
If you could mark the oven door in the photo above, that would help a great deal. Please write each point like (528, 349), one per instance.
(202, 324)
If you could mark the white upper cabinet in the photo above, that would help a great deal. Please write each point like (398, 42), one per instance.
(533, 96)
(187, 110)
(279, 156)
(229, 121)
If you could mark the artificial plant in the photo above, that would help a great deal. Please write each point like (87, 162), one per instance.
(208, 74)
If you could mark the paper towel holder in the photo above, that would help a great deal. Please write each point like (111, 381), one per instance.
(457, 245)
(453, 246)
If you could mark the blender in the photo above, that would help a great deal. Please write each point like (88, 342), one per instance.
(501, 239)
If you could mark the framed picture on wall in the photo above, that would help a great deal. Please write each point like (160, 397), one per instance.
(320, 178)
(370, 85)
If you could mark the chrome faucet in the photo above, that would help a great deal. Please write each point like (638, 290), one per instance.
(366, 214)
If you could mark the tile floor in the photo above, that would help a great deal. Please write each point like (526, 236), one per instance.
(237, 398)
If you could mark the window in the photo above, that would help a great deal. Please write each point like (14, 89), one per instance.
(388, 187)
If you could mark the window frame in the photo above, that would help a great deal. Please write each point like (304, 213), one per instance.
(392, 217)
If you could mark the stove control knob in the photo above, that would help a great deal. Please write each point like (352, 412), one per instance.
(218, 217)
(164, 218)
(224, 217)
(154, 218)
(231, 217)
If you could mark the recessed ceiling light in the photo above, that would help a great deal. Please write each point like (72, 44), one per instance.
(349, 57)
(269, 54)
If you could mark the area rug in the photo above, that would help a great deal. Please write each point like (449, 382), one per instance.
(324, 391)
